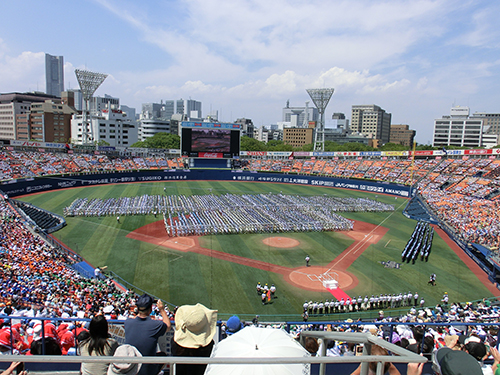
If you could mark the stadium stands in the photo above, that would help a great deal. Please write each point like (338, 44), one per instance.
(39, 281)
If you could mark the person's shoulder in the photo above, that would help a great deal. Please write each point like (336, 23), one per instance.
(113, 344)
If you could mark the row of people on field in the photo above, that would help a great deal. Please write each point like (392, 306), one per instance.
(375, 302)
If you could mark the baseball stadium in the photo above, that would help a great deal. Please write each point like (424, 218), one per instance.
(338, 238)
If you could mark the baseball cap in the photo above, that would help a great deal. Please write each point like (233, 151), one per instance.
(144, 302)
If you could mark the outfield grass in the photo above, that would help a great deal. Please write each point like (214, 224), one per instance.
(188, 278)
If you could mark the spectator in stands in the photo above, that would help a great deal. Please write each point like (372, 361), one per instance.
(446, 361)
(195, 327)
(311, 345)
(98, 344)
(125, 368)
(52, 346)
(389, 368)
(143, 332)
(233, 325)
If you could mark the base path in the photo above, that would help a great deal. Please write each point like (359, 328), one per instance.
(307, 278)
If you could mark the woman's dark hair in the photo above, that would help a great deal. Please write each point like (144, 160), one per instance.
(98, 330)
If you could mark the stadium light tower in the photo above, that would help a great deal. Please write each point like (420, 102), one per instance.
(89, 83)
(320, 98)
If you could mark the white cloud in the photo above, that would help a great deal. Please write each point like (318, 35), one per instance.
(25, 72)
(484, 29)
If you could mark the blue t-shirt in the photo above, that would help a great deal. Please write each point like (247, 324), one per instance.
(143, 333)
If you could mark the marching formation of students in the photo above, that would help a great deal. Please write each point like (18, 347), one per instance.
(420, 243)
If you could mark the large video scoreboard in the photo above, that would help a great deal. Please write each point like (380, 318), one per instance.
(210, 139)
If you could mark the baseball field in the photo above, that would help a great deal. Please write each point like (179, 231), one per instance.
(221, 271)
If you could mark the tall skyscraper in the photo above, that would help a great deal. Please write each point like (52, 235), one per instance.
(54, 75)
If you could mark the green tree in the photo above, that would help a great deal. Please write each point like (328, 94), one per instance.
(251, 144)
(393, 147)
(160, 140)
(308, 147)
(275, 145)
(424, 147)
(331, 146)
(354, 146)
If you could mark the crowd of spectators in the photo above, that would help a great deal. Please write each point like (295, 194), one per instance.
(479, 173)
(469, 185)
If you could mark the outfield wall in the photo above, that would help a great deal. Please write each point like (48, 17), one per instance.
(14, 188)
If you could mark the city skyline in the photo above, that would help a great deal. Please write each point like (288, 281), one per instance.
(246, 59)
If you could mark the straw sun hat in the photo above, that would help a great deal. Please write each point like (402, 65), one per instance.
(195, 326)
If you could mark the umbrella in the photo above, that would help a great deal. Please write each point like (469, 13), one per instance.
(253, 342)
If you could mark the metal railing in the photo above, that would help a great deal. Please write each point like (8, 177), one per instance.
(401, 355)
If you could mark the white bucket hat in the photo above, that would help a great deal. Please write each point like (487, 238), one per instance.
(125, 368)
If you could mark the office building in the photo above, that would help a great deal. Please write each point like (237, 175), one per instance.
(299, 136)
(110, 125)
(167, 109)
(299, 116)
(50, 121)
(458, 129)
(14, 104)
(341, 136)
(371, 121)
(78, 96)
(129, 111)
(190, 109)
(150, 127)
(338, 121)
(151, 111)
(261, 134)
(402, 135)
(99, 103)
(491, 121)
(247, 127)
(54, 75)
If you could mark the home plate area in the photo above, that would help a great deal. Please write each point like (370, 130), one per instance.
(318, 279)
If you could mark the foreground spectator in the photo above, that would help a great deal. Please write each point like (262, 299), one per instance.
(446, 361)
(98, 344)
(125, 368)
(11, 369)
(195, 327)
(143, 332)
(389, 368)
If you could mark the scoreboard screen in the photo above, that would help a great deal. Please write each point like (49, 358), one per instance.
(210, 142)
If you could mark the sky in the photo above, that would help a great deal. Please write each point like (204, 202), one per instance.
(246, 58)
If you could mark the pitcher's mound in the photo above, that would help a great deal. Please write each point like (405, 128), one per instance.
(283, 242)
